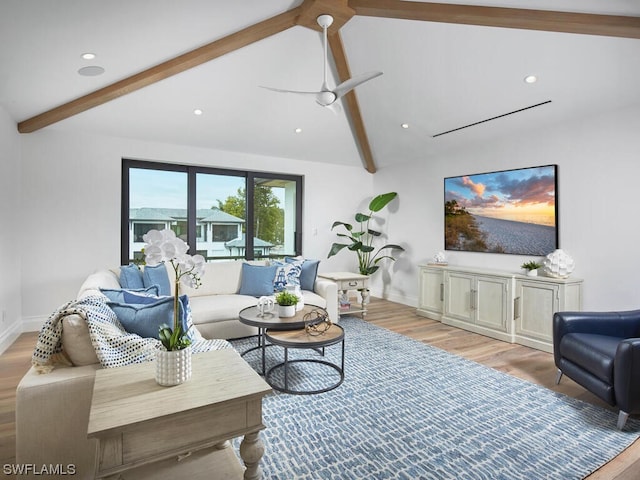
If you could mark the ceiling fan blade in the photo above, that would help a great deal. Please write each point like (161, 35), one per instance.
(290, 91)
(348, 85)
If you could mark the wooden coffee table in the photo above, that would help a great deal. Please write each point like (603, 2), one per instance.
(138, 422)
(303, 339)
(309, 314)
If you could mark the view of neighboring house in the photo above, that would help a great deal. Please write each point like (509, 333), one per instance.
(218, 234)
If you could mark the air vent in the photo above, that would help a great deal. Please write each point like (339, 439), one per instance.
(492, 118)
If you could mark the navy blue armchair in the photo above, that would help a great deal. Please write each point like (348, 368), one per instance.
(601, 352)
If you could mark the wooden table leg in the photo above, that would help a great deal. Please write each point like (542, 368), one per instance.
(251, 451)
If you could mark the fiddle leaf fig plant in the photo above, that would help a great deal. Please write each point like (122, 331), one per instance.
(361, 241)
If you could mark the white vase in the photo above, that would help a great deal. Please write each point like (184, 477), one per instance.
(558, 264)
(295, 290)
(286, 311)
(173, 368)
(532, 273)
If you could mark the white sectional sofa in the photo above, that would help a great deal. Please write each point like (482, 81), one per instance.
(52, 409)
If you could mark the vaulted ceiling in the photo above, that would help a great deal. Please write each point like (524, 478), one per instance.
(446, 66)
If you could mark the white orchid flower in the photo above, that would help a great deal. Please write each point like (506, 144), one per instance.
(164, 246)
(153, 237)
(153, 254)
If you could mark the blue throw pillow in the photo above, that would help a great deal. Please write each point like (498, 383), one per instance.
(157, 275)
(140, 297)
(144, 298)
(131, 276)
(145, 319)
(287, 273)
(117, 294)
(257, 280)
(308, 274)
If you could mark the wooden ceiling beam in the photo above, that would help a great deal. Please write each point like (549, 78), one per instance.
(547, 20)
(164, 70)
(357, 123)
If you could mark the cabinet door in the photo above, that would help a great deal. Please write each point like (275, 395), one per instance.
(535, 304)
(490, 302)
(431, 290)
(458, 296)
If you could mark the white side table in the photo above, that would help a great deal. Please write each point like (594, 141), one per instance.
(350, 281)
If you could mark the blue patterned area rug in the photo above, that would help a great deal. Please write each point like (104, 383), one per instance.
(407, 410)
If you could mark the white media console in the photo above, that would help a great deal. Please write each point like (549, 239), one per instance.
(508, 306)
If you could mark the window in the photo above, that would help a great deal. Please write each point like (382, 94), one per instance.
(140, 228)
(225, 233)
(220, 213)
(274, 206)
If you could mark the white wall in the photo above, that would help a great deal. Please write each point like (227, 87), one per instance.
(598, 168)
(71, 207)
(10, 223)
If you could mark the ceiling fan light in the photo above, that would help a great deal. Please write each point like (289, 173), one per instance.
(326, 98)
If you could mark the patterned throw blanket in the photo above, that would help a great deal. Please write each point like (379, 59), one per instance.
(114, 346)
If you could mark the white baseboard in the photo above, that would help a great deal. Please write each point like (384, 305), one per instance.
(33, 324)
(9, 336)
(404, 300)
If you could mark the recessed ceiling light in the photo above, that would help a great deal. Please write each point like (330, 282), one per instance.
(298, 130)
(405, 125)
(197, 111)
(530, 79)
(91, 71)
(88, 56)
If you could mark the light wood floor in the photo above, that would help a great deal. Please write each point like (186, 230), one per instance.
(516, 360)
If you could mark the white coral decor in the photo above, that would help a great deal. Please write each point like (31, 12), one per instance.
(558, 264)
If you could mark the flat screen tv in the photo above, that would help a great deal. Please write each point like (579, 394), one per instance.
(510, 211)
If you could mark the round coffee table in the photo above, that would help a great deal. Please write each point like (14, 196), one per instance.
(308, 315)
(304, 339)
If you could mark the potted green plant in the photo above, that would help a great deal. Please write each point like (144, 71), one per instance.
(286, 303)
(361, 240)
(531, 267)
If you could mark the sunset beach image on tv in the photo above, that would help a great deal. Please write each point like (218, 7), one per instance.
(510, 211)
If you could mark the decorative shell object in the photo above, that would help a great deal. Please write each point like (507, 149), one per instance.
(558, 264)
(173, 368)
(439, 259)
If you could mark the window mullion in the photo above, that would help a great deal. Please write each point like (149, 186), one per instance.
(249, 202)
(191, 210)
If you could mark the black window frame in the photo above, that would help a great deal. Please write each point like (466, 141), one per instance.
(192, 172)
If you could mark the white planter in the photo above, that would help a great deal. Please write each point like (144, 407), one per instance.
(286, 311)
(532, 273)
(173, 368)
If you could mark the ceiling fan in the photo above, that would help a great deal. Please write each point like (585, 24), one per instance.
(326, 97)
